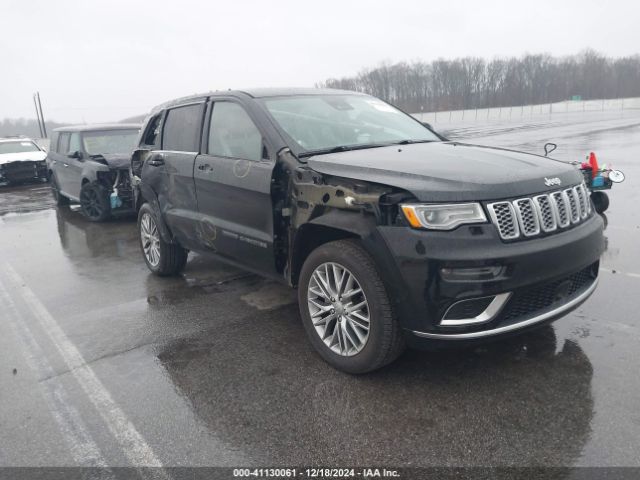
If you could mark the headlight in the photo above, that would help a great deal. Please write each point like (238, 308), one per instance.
(443, 217)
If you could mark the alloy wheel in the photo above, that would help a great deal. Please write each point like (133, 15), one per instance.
(90, 203)
(338, 308)
(150, 238)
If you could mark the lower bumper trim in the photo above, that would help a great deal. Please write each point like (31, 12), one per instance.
(508, 328)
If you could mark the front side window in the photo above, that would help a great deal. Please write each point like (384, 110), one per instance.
(233, 134)
(325, 122)
(181, 131)
(21, 146)
(101, 142)
(152, 134)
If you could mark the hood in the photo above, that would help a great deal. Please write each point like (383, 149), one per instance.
(22, 157)
(449, 171)
(113, 160)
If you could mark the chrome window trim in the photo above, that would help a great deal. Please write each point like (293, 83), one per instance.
(516, 326)
(489, 313)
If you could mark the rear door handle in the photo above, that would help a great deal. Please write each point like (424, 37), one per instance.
(65, 165)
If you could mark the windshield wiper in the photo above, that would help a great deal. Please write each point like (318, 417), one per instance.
(342, 148)
(407, 142)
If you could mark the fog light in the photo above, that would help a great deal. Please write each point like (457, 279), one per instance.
(473, 274)
(474, 310)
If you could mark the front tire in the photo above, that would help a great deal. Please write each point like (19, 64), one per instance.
(162, 258)
(346, 310)
(94, 202)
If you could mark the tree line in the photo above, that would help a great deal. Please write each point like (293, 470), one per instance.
(471, 82)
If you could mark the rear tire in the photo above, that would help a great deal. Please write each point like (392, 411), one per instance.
(384, 341)
(61, 200)
(94, 202)
(162, 258)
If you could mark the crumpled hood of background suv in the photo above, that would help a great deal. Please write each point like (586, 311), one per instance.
(22, 157)
(449, 171)
(114, 160)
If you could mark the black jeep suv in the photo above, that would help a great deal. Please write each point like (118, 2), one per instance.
(392, 234)
(89, 164)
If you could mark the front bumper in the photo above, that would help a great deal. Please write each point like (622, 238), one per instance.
(24, 171)
(538, 279)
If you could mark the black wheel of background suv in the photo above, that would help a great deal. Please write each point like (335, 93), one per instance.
(94, 202)
(60, 199)
(346, 310)
(600, 201)
(161, 257)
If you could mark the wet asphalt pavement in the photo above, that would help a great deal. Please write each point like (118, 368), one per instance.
(103, 364)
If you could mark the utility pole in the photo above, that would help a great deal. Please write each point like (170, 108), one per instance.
(35, 102)
(44, 128)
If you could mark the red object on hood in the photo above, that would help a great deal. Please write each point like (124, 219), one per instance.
(594, 164)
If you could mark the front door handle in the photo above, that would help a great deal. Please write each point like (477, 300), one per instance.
(65, 165)
(205, 167)
(156, 160)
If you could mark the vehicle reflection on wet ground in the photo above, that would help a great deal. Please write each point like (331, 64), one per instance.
(213, 367)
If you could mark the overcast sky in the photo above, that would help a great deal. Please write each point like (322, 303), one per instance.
(106, 60)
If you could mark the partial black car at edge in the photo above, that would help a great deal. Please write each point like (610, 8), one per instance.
(392, 234)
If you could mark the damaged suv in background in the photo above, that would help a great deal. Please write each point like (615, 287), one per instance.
(391, 234)
(21, 160)
(89, 164)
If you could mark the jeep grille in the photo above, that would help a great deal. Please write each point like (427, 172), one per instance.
(540, 214)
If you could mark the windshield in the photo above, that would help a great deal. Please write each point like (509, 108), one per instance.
(109, 141)
(328, 122)
(18, 147)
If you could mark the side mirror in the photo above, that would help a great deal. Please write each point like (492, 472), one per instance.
(77, 154)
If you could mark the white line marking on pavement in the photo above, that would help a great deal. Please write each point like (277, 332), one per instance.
(138, 452)
(83, 448)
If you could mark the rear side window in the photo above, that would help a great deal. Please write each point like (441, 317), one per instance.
(181, 131)
(63, 143)
(233, 134)
(53, 145)
(74, 143)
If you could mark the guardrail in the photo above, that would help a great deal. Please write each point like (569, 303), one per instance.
(523, 111)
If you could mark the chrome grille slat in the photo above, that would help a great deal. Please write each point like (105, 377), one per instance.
(574, 211)
(548, 221)
(561, 206)
(527, 217)
(545, 213)
(503, 216)
(582, 201)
